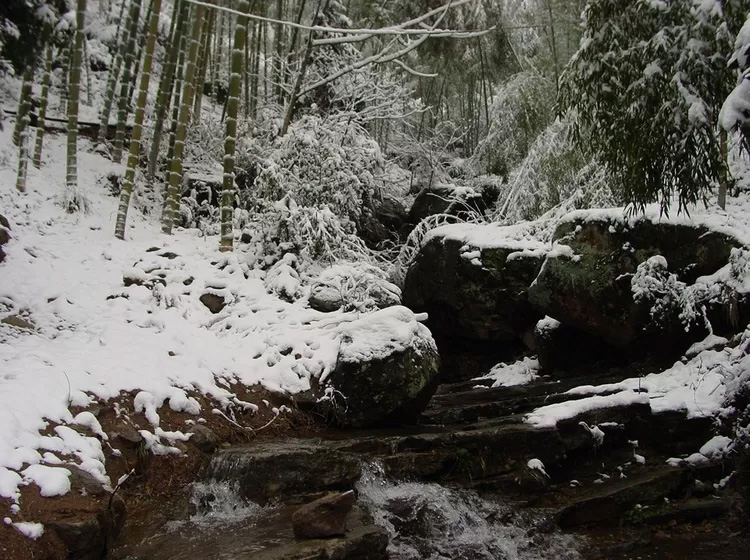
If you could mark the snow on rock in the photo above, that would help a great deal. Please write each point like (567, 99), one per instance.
(52, 481)
(517, 373)
(717, 447)
(29, 530)
(521, 238)
(550, 415)
(537, 465)
(711, 342)
(382, 333)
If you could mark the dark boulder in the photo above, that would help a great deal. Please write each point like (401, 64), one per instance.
(382, 220)
(204, 438)
(472, 286)
(323, 518)
(586, 279)
(451, 199)
(88, 531)
(214, 302)
(387, 370)
(565, 350)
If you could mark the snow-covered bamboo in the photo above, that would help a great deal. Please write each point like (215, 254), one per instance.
(230, 139)
(166, 83)
(124, 98)
(24, 104)
(172, 202)
(115, 70)
(23, 151)
(44, 102)
(135, 141)
(71, 175)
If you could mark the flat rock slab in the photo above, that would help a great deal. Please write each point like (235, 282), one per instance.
(264, 471)
(611, 502)
(367, 542)
(324, 517)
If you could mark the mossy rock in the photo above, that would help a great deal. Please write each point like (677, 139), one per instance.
(586, 284)
(481, 299)
(392, 390)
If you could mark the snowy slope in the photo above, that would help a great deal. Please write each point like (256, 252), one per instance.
(94, 338)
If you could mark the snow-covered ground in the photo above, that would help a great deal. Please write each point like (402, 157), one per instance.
(92, 338)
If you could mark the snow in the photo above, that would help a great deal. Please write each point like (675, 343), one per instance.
(516, 373)
(695, 387)
(549, 415)
(519, 238)
(52, 481)
(734, 221)
(537, 465)
(382, 333)
(717, 447)
(30, 530)
(95, 339)
(711, 452)
(709, 343)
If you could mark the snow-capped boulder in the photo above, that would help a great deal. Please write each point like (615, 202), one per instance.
(386, 372)
(472, 280)
(624, 279)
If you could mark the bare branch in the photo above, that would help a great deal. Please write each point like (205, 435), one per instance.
(400, 29)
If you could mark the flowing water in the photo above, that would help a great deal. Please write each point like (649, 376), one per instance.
(424, 521)
(432, 522)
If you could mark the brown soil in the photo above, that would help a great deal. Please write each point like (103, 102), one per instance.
(158, 488)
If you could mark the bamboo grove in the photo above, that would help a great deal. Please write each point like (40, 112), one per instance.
(169, 56)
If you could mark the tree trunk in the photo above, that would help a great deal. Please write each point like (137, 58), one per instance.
(71, 176)
(124, 98)
(24, 104)
(230, 139)
(23, 131)
(114, 71)
(135, 142)
(171, 207)
(723, 172)
(166, 84)
(202, 66)
(46, 81)
(297, 86)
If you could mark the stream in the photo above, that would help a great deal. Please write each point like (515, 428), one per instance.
(459, 486)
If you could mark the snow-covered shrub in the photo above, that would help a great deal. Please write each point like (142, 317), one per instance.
(654, 284)
(283, 279)
(354, 286)
(312, 233)
(321, 165)
(520, 111)
(669, 298)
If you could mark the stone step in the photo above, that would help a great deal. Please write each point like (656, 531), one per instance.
(611, 502)
(687, 511)
(265, 471)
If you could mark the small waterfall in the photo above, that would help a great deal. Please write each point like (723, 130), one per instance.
(220, 501)
(432, 522)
